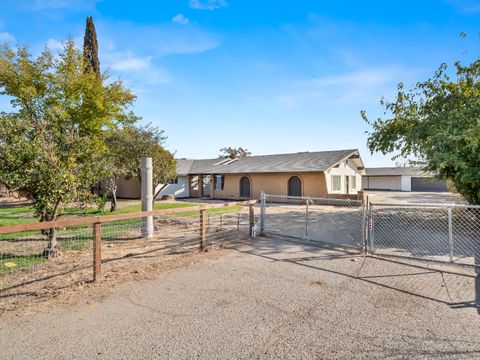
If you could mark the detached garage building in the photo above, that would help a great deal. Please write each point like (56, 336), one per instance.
(401, 179)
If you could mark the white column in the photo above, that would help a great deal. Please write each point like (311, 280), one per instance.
(212, 186)
(147, 196)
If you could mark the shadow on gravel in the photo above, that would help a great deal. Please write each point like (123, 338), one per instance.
(457, 287)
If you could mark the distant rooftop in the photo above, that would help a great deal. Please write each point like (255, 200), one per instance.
(293, 162)
(399, 170)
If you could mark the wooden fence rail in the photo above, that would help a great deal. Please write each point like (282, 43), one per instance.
(97, 222)
(109, 218)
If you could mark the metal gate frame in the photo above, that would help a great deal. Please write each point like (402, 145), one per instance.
(455, 225)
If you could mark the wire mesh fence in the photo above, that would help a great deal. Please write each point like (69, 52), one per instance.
(449, 234)
(422, 231)
(428, 232)
(26, 274)
(335, 222)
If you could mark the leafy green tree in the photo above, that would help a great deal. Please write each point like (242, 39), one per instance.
(437, 123)
(117, 160)
(52, 139)
(90, 47)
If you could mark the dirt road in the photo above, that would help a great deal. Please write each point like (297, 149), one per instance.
(273, 299)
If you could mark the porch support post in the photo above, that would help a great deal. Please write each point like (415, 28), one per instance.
(212, 186)
(200, 185)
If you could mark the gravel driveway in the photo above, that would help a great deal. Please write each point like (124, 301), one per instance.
(272, 299)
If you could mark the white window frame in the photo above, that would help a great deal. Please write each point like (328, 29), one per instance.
(340, 183)
(353, 183)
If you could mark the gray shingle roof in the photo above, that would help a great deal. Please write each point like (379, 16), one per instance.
(392, 171)
(296, 162)
(183, 166)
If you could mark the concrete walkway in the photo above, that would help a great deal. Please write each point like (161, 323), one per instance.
(275, 299)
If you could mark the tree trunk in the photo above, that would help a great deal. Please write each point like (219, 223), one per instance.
(53, 248)
(114, 202)
(113, 193)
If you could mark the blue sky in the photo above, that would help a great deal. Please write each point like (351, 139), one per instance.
(271, 76)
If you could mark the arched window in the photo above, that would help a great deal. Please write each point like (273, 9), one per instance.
(245, 187)
(294, 186)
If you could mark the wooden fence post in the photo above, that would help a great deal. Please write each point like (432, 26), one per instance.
(251, 222)
(203, 238)
(97, 251)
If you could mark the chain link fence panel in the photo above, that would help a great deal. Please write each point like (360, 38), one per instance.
(427, 232)
(334, 222)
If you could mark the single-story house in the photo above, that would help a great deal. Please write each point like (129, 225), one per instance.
(317, 174)
(406, 178)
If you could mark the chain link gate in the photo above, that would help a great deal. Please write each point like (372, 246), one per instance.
(334, 222)
(430, 232)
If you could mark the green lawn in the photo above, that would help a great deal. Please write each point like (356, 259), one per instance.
(24, 214)
(78, 238)
(20, 262)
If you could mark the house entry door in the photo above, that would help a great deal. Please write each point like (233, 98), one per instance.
(206, 186)
(245, 187)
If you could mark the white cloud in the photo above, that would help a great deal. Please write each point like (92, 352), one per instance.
(134, 52)
(58, 45)
(160, 40)
(180, 19)
(131, 64)
(6, 37)
(54, 44)
(364, 78)
(207, 4)
(138, 69)
(466, 6)
(356, 88)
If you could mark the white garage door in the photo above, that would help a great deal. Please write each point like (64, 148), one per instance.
(382, 183)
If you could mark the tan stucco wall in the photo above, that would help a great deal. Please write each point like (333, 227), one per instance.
(313, 184)
(129, 189)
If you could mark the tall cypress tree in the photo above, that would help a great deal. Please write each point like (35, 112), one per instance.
(90, 47)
